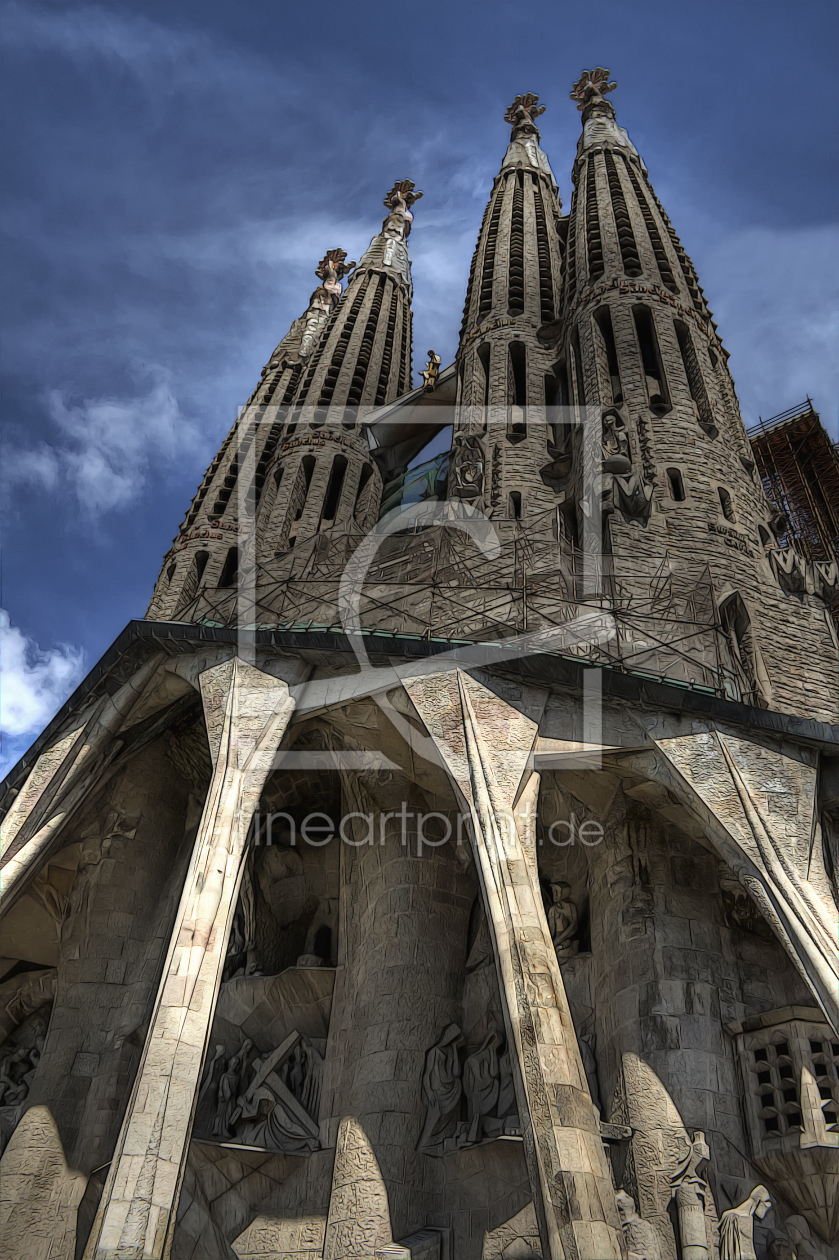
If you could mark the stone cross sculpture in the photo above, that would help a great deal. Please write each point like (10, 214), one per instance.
(737, 1226)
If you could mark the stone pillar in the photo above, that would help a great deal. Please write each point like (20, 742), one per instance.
(405, 916)
(247, 712)
(569, 1173)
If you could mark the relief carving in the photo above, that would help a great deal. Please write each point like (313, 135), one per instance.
(737, 1226)
(466, 476)
(483, 1086)
(277, 1109)
(562, 921)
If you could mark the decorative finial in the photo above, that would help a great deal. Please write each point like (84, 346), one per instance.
(332, 266)
(591, 88)
(397, 225)
(402, 191)
(522, 114)
(432, 371)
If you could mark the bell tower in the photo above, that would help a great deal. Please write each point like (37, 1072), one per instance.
(666, 476)
(505, 372)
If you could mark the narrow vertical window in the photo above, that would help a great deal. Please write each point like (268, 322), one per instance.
(515, 300)
(693, 374)
(483, 394)
(651, 359)
(230, 571)
(362, 495)
(578, 375)
(726, 504)
(543, 251)
(517, 391)
(488, 267)
(626, 237)
(333, 489)
(676, 485)
(170, 573)
(603, 320)
(515, 506)
(595, 244)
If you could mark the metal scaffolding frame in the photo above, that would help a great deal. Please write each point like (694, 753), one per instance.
(660, 620)
(799, 467)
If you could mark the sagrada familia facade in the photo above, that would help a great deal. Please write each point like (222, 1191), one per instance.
(446, 866)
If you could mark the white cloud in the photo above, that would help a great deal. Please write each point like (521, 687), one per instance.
(108, 447)
(35, 682)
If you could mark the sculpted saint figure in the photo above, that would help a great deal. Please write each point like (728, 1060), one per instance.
(642, 1241)
(467, 467)
(690, 1190)
(441, 1088)
(562, 921)
(737, 1226)
(481, 1082)
(230, 1086)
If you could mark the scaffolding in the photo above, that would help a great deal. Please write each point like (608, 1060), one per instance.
(529, 592)
(799, 467)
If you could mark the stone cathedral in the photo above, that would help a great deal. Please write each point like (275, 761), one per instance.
(446, 866)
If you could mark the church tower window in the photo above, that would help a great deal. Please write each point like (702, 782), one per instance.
(595, 244)
(651, 359)
(603, 320)
(623, 223)
(334, 488)
(517, 391)
(515, 302)
(230, 571)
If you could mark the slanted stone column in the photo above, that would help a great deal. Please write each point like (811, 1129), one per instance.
(247, 712)
(486, 744)
(62, 777)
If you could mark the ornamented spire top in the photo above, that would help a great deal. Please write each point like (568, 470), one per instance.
(522, 115)
(523, 150)
(590, 91)
(332, 268)
(397, 225)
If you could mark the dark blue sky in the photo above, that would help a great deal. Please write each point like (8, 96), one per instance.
(174, 171)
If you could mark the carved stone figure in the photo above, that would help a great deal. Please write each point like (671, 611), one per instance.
(432, 370)
(441, 1088)
(642, 1241)
(480, 955)
(690, 1190)
(481, 1082)
(230, 1085)
(13, 1065)
(562, 921)
(798, 1232)
(507, 1104)
(737, 1226)
(466, 475)
(615, 443)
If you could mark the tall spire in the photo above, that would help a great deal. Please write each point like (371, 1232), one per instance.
(364, 357)
(505, 371)
(206, 548)
(668, 471)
